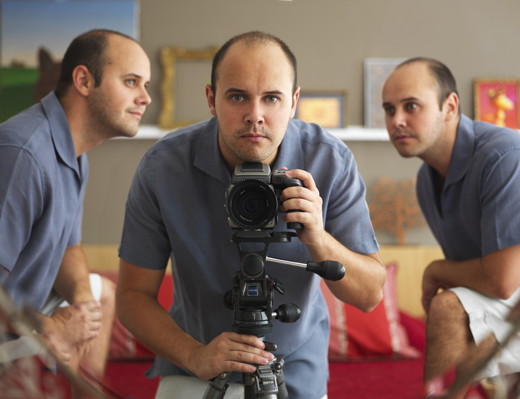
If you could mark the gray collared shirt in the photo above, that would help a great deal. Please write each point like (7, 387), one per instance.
(176, 208)
(478, 209)
(42, 185)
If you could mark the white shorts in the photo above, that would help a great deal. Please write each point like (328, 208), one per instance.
(182, 387)
(26, 346)
(488, 316)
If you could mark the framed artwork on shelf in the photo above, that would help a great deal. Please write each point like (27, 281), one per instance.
(327, 108)
(376, 70)
(33, 43)
(496, 101)
(172, 59)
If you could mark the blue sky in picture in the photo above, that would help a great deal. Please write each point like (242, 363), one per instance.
(26, 25)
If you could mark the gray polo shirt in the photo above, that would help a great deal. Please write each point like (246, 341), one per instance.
(42, 185)
(478, 210)
(176, 208)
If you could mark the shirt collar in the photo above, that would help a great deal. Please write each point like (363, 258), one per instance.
(462, 151)
(208, 158)
(208, 154)
(60, 131)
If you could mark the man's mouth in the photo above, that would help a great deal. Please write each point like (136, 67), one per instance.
(136, 113)
(401, 136)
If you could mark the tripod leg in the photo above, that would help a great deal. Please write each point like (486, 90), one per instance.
(217, 387)
(263, 383)
(280, 379)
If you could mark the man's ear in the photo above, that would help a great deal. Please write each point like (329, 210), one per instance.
(295, 98)
(82, 80)
(451, 105)
(210, 97)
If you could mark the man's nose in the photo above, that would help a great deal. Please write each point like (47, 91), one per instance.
(255, 113)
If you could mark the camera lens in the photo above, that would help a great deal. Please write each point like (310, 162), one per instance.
(252, 204)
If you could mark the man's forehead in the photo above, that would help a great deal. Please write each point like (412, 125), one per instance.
(243, 66)
(409, 81)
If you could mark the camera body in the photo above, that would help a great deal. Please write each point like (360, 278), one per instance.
(253, 198)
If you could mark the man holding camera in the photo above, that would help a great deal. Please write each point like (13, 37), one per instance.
(176, 209)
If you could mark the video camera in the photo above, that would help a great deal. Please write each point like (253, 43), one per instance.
(253, 198)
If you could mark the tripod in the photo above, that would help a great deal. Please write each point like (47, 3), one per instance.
(252, 299)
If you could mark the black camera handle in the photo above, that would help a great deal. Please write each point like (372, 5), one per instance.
(329, 269)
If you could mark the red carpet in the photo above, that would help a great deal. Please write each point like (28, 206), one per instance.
(384, 379)
(127, 380)
(368, 379)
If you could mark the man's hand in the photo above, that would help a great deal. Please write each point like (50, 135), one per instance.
(229, 352)
(307, 201)
(70, 326)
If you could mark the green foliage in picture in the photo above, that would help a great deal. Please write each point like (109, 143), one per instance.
(16, 90)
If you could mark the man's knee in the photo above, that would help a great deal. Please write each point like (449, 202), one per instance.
(108, 292)
(108, 300)
(446, 307)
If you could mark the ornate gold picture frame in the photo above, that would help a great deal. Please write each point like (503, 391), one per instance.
(328, 108)
(169, 58)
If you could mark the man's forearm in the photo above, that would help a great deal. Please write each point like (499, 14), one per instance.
(138, 311)
(72, 282)
(496, 275)
(364, 278)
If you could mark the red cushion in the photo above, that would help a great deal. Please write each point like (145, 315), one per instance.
(124, 345)
(355, 334)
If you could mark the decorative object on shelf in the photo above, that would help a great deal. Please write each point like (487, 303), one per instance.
(170, 56)
(376, 72)
(327, 108)
(393, 207)
(496, 101)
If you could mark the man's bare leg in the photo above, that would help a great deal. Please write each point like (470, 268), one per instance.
(92, 356)
(95, 359)
(448, 337)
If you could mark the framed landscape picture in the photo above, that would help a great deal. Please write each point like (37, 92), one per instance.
(327, 108)
(376, 72)
(496, 101)
(34, 35)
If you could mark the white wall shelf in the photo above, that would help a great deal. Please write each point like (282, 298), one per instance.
(351, 133)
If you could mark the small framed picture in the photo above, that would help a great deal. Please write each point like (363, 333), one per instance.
(496, 101)
(326, 108)
(376, 71)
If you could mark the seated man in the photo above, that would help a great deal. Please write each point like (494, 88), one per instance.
(101, 93)
(468, 189)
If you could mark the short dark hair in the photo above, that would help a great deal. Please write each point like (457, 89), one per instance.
(252, 37)
(87, 49)
(440, 73)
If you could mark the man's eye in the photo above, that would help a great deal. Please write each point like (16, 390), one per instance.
(389, 110)
(411, 106)
(131, 82)
(237, 97)
(271, 99)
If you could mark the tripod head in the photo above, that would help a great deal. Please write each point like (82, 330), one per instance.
(252, 295)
